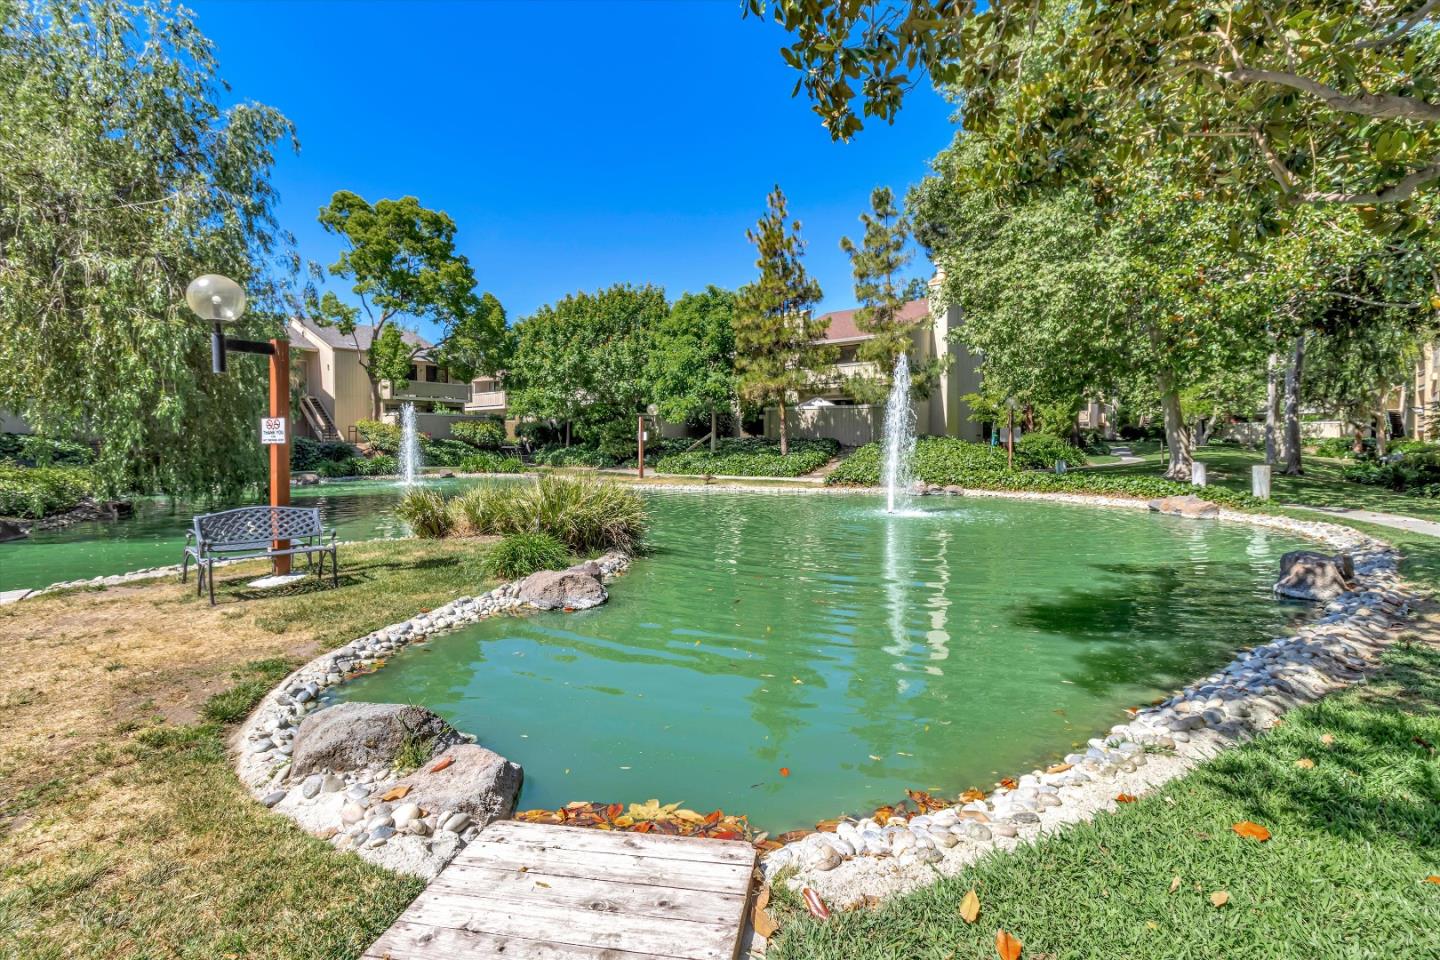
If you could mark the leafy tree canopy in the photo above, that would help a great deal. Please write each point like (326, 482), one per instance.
(121, 179)
(692, 362)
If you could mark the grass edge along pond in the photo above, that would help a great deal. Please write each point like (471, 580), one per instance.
(1349, 788)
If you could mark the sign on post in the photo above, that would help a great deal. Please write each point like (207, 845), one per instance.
(272, 430)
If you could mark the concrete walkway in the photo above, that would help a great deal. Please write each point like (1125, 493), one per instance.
(1393, 520)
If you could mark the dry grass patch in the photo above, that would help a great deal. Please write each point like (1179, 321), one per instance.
(123, 831)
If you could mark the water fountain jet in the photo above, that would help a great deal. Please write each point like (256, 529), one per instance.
(899, 436)
(410, 462)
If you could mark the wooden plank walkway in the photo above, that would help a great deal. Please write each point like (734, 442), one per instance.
(529, 891)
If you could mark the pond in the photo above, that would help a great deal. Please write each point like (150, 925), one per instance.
(155, 535)
(798, 657)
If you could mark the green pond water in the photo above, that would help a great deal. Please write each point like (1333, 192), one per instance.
(865, 653)
(155, 535)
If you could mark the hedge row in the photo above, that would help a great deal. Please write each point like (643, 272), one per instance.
(36, 492)
(945, 461)
(752, 457)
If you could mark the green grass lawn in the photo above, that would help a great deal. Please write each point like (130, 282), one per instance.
(1321, 485)
(1344, 874)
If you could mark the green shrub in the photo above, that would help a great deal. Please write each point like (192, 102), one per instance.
(384, 437)
(444, 453)
(37, 492)
(482, 435)
(426, 513)
(487, 462)
(1408, 473)
(1339, 448)
(752, 457)
(577, 456)
(1039, 451)
(381, 466)
(308, 454)
(584, 513)
(521, 554)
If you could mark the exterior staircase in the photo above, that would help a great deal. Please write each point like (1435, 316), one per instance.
(1397, 424)
(320, 423)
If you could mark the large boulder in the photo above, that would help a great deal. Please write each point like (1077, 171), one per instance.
(349, 736)
(1307, 575)
(562, 590)
(13, 530)
(1189, 506)
(467, 779)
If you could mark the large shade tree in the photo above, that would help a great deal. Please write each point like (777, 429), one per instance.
(400, 261)
(583, 361)
(1331, 102)
(692, 362)
(122, 177)
(779, 346)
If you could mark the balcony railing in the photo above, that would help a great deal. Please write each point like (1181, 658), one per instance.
(456, 393)
(838, 373)
(486, 400)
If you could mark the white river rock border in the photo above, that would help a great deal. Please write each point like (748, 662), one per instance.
(863, 860)
(347, 808)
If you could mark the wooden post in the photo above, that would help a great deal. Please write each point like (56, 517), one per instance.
(640, 441)
(280, 452)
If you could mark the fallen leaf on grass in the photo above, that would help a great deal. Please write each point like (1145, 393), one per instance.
(1327, 739)
(970, 907)
(1219, 898)
(814, 904)
(1007, 946)
(1124, 798)
(760, 917)
(1175, 883)
(1248, 829)
(395, 793)
(441, 764)
(1305, 763)
(1433, 879)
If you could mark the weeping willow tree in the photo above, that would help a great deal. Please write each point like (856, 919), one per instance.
(122, 177)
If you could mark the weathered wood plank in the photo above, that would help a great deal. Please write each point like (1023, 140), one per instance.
(670, 903)
(682, 874)
(414, 941)
(562, 923)
(618, 841)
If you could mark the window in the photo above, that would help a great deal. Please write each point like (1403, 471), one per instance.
(432, 373)
(414, 374)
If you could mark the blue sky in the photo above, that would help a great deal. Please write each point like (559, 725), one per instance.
(576, 144)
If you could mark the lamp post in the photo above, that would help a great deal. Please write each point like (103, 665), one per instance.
(219, 300)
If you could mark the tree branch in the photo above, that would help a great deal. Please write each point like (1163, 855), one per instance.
(1396, 192)
(1400, 25)
(1379, 105)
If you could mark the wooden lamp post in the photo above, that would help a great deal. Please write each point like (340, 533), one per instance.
(220, 300)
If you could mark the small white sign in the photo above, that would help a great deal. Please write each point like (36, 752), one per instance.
(272, 430)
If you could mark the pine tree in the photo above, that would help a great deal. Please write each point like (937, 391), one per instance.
(778, 340)
(882, 292)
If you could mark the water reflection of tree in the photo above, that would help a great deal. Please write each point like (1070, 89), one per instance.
(1157, 626)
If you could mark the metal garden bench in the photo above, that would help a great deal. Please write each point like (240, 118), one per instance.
(247, 533)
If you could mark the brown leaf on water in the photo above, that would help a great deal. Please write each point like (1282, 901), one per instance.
(713, 816)
(827, 826)
(1305, 763)
(395, 793)
(1007, 946)
(441, 764)
(1125, 798)
(1009, 783)
(1219, 898)
(1248, 829)
(972, 795)
(1175, 883)
(1058, 767)
(613, 810)
(970, 907)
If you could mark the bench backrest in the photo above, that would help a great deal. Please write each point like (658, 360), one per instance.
(253, 528)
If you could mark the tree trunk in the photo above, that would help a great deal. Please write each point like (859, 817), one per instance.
(713, 428)
(1382, 425)
(1357, 441)
(1274, 442)
(1177, 434)
(784, 430)
(567, 433)
(1293, 376)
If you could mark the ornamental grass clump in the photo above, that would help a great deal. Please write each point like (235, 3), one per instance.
(426, 513)
(521, 554)
(585, 514)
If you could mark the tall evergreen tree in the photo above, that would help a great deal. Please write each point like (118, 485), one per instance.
(778, 339)
(882, 293)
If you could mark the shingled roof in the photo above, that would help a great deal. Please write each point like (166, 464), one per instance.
(840, 325)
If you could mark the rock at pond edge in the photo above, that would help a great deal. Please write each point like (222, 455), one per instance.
(562, 589)
(349, 736)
